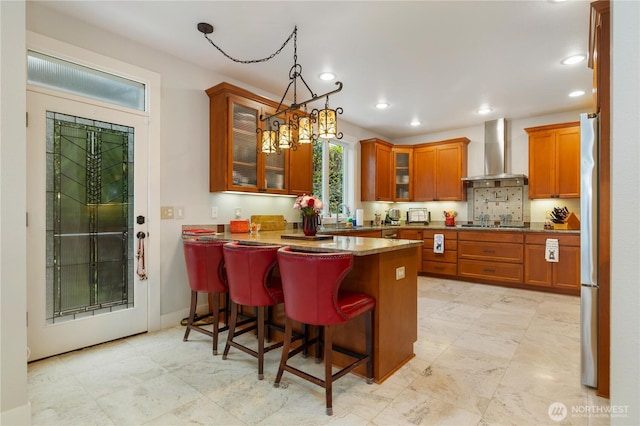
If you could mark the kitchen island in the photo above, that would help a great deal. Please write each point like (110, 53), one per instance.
(384, 269)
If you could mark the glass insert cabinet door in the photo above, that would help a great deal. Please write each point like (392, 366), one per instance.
(402, 158)
(251, 170)
(89, 217)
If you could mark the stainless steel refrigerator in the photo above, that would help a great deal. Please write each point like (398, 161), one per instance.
(589, 148)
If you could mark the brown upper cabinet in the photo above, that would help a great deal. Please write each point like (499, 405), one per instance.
(554, 161)
(426, 172)
(376, 176)
(438, 170)
(235, 163)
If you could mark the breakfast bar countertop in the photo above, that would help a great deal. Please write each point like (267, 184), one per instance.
(359, 246)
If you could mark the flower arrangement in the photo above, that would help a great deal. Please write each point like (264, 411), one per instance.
(449, 217)
(308, 205)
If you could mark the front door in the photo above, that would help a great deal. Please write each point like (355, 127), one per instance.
(87, 193)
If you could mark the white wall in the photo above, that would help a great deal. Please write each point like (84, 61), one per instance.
(625, 254)
(14, 406)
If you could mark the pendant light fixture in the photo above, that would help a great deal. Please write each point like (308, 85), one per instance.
(292, 126)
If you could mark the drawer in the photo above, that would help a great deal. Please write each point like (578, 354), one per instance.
(493, 271)
(447, 256)
(431, 267)
(493, 252)
(563, 240)
(491, 236)
(410, 234)
(448, 235)
(448, 244)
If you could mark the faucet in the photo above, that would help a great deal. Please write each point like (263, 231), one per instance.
(346, 208)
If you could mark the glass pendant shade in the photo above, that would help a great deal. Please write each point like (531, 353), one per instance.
(305, 130)
(284, 136)
(269, 142)
(327, 124)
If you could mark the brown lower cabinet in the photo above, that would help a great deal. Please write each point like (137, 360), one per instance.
(562, 275)
(445, 263)
(494, 256)
(503, 257)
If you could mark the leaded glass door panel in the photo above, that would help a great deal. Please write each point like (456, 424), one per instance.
(87, 184)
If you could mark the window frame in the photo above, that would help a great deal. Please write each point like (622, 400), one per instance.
(348, 178)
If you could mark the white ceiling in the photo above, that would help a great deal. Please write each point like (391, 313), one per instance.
(436, 61)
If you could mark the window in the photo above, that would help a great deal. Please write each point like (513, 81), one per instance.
(333, 174)
(55, 73)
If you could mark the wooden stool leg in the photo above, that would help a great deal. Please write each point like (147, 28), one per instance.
(192, 314)
(216, 317)
(261, 324)
(327, 368)
(210, 298)
(369, 345)
(288, 331)
(319, 343)
(232, 329)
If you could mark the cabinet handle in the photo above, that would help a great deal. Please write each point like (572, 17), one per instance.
(439, 268)
(490, 271)
(488, 251)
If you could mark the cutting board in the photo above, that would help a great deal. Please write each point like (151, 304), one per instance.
(269, 222)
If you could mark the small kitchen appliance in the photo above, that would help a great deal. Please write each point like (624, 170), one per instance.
(393, 217)
(418, 215)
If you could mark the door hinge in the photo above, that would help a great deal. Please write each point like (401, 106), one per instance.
(27, 219)
(27, 119)
(27, 319)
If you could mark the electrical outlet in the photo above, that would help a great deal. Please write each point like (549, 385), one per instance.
(214, 212)
(178, 212)
(400, 273)
(166, 212)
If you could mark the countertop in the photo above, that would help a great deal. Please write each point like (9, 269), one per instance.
(359, 246)
(533, 227)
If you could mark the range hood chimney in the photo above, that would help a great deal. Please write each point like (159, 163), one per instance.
(495, 149)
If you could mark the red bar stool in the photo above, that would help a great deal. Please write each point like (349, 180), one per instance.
(206, 272)
(311, 284)
(249, 274)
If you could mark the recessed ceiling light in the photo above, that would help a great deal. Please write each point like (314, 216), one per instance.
(576, 93)
(327, 76)
(574, 59)
(382, 105)
(484, 110)
(415, 123)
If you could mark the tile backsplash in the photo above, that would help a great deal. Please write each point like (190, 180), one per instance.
(498, 199)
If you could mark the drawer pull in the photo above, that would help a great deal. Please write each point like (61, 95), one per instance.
(439, 268)
(488, 251)
(489, 271)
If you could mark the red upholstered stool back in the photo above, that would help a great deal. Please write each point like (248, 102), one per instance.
(249, 274)
(311, 283)
(205, 266)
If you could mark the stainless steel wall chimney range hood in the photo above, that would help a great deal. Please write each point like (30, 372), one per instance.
(495, 147)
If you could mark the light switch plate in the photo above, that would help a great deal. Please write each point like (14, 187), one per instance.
(178, 212)
(166, 212)
(400, 273)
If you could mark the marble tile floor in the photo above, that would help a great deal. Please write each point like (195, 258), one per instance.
(485, 355)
